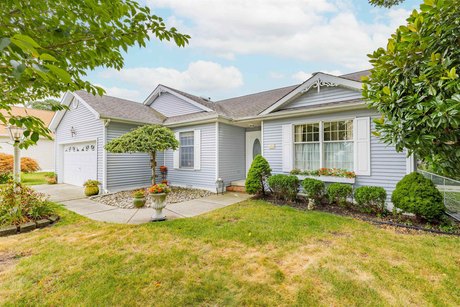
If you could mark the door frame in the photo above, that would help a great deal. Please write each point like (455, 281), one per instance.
(251, 137)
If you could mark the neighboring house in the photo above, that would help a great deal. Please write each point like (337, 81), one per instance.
(43, 151)
(322, 122)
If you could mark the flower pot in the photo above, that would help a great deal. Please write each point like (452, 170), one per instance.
(158, 203)
(91, 190)
(139, 202)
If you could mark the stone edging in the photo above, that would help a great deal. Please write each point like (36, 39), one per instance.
(26, 227)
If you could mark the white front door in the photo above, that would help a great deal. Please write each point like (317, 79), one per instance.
(80, 163)
(253, 147)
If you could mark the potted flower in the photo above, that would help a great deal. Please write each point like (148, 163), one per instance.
(158, 193)
(139, 198)
(91, 187)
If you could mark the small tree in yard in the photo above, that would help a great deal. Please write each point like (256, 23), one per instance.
(258, 172)
(148, 139)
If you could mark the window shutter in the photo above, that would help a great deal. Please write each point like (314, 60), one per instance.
(197, 149)
(362, 136)
(288, 145)
(176, 153)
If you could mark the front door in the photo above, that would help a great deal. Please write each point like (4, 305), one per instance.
(253, 147)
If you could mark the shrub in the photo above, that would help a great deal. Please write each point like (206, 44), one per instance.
(418, 195)
(5, 177)
(371, 199)
(91, 183)
(258, 172)
(20, 204)
(339, 192)
(314, 188)
(284, 186)
(28, 165)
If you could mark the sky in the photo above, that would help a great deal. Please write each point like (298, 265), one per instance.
(239, 47)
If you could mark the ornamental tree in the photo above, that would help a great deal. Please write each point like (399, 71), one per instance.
(47, 46)
(148, 139)
(415, 85)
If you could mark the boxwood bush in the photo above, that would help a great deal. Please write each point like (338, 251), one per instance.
(284, 186)
(371, 199)
(418, 195)
(339, 192)
(258, 172)
(314, 188)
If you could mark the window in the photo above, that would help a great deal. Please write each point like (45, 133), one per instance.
(186, 149)
(306, 143)
(325, 144)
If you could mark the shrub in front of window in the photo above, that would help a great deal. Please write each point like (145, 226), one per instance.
(339, 193)
(284, 186)
(371, 199)
(257, 175)
(314, 188)
(418, 195)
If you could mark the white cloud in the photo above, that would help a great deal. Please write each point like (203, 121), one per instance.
(302, 76)
(310, 30)
(200, 77)
(124, 93)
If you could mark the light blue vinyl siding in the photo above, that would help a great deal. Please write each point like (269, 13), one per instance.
(87, 128)
(326, 95)
(387, 165)
(206, 176)
(231, 153)
(127, 171)
(170, 105)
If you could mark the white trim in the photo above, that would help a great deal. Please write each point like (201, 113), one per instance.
(78, 141)
(197, 149)
(321, 143)
(410, 164)
(104, 155)
(217, 150)
(366, 140)
(287, 143)
(262, 138)
(315, 79)
(160, 89)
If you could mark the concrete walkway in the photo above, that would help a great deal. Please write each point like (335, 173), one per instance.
(73, 199)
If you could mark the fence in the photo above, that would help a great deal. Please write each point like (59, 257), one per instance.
(449, 188)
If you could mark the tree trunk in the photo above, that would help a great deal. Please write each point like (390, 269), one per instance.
(153, 165)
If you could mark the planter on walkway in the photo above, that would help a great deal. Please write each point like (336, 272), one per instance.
(158, 203)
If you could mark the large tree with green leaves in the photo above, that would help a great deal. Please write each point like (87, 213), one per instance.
(47, 104)
(415, 85)
(47, 46)
(148, 139)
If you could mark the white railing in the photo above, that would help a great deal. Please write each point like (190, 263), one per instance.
(449, 188)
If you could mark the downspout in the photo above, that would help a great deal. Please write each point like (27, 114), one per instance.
(104, 156)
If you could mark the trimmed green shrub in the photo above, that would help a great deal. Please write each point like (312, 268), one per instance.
(258, 172)
(339, 192)
(314, 188)
(371, 199)
(284, 186)
(418, 195)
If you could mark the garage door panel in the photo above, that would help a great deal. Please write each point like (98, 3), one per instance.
(80, 163)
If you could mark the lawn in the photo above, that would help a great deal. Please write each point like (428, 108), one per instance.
(34, 178)
(252, 253)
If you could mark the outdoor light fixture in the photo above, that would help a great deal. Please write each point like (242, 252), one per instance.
(16, 134)
(220, 186)
(73, 132)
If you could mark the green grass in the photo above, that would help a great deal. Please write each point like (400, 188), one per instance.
(34, 178)
(252, 253)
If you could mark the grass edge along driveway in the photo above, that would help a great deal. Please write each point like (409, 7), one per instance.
(252, 253)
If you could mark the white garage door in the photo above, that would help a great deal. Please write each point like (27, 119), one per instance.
(80, 163)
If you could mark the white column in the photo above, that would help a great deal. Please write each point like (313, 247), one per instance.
(17, 163)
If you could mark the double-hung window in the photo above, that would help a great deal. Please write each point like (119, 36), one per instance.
(186, 149)
(324, 144)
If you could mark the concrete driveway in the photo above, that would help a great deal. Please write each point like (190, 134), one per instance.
(73, 199)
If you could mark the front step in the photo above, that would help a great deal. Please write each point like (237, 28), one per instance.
(237, 186)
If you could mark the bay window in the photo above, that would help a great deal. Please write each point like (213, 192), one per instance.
(324, 144)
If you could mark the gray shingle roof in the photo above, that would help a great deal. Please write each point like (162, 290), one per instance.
(117, 108)
(356, 76)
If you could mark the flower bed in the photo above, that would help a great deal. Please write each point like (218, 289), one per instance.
(125, 200)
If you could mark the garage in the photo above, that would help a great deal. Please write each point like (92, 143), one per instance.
(80, 163)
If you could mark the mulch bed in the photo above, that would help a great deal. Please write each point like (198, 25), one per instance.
(409, 223)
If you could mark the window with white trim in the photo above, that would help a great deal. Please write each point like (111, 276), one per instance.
(186, 149)
(324, 144)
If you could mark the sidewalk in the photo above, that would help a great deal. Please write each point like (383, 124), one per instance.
(73, 199)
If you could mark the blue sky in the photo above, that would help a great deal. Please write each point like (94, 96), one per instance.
(240, 47)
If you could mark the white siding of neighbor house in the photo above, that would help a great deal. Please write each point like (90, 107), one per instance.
(387, 165)
(326, 94)
(205, 177)
(170, 105)
(42, 152)
(232, 153)
(126, 171)
(87, 128)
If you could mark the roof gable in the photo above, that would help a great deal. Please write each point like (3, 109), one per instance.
(316, 82)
